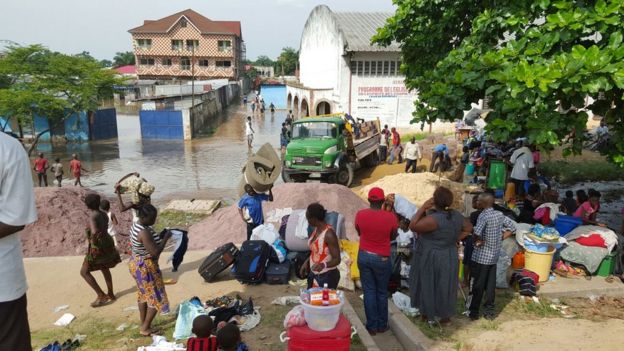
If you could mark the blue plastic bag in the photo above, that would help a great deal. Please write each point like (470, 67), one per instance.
(186, 314)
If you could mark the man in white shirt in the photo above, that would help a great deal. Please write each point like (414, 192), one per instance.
(412, 155)
(17, 209)
(383, 144)
(249, 132)
(522, 161)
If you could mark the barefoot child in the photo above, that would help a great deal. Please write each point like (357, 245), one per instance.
(112, 220)
(57, 168)
(76, 168)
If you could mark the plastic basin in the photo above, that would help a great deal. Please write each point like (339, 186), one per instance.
(322, 318)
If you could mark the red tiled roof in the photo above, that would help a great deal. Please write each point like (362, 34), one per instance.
(129, 69)
(205, 25)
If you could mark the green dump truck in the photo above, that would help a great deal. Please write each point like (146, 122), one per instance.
(330, 148)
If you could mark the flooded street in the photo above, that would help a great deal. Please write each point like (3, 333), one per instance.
(207, 167)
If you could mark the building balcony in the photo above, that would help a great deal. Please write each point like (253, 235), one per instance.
(177, 70)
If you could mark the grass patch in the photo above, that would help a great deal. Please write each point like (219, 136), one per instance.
(529, 308)
(419, 136)
(177, 219)
(572, 172)
(489, 325)
(102, 335)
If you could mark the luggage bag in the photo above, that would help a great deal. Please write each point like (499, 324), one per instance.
(218, 261)
(252, 261)
(278, 273)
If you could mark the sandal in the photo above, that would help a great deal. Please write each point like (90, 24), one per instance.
(99, 302)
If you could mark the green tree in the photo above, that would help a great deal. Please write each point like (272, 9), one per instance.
(123, 59)
(287, 61)
(106, 63)
(263, 60)
(542, 64)
(51, 84)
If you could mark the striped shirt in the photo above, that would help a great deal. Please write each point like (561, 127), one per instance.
(137, 246)
(202, 344)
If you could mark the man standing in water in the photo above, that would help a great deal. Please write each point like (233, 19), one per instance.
(17, 209)
(41, 168)
(251, 202)
(249, 132)
(76, 168)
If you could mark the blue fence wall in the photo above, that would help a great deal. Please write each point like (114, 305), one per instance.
(4, 123)
(161, 124)
(275, 94)
(104, 124)
(41, 124)
(77, 127)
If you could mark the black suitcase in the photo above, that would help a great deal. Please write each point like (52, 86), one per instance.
(252, 261)
(218, 261)
(278, 273)
(297, 259)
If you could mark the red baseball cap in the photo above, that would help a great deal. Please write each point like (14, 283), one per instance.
(376, 194)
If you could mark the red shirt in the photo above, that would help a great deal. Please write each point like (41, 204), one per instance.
(40, 165)
(375, 227)
(202, 344)
(75, 166)
(396, 139)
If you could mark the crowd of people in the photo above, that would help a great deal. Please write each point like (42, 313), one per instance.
(41, 166)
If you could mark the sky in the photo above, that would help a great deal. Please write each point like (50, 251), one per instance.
(101, 27)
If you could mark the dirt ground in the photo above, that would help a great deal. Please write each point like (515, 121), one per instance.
(55, 281)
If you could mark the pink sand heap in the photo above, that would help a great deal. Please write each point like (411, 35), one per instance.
(225, 224)
(63, 218)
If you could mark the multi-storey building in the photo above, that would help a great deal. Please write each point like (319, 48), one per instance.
(186, 45)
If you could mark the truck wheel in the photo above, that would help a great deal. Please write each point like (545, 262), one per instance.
(344, 176)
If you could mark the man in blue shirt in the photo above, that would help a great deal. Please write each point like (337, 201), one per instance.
(439, 151)
(252, 202)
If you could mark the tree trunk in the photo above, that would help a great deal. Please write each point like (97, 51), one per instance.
(35, 141)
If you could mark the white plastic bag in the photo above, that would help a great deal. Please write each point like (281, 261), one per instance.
(265, 232)
(295, 317)
(346, 282)
(404, 207)
(403, 302)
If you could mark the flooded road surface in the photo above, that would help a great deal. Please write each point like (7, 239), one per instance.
(207, 167)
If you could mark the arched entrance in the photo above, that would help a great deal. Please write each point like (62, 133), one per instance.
(289, 101)
(323, 108)
(295, 106)
(305, 110)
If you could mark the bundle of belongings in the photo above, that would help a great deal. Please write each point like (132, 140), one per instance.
(588, 245)
(539, 238)
(136, 187)
(223, 309)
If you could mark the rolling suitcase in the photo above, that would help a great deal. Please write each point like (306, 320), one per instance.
(252, 261)
(278, 273)
(218, 261)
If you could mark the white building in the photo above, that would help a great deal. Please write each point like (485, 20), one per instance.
(340, 71)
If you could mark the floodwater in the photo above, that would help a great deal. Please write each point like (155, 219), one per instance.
(207, 167)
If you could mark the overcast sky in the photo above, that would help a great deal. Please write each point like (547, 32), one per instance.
(101, 27)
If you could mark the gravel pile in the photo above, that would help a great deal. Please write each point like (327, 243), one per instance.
(225, 224)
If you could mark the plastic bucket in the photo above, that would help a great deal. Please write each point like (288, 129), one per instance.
(470, 169)
(322, 318)
(606, 266)
(565, 224)
(539, 262)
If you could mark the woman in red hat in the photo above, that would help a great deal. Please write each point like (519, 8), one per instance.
(376, 229)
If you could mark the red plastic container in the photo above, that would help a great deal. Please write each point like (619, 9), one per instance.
(305, 339)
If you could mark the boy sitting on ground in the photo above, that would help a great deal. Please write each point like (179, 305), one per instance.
(229, 339)
(203, 340)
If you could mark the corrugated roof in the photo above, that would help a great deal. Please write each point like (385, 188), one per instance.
(205, 25)
(359, 27)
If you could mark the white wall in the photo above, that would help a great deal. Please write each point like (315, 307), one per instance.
(320, 51)
(384, 97)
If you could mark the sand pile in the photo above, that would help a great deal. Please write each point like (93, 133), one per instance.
(63, 218)
(225, 224)
(417, 187)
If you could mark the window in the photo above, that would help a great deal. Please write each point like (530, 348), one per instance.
(144, 44)
(225, 46)
(183, 23)
(146, 61)
(366, 67)
(224, 63)
(386, 68)
(192, 45)
(203, 63)
(324, 130)
(176, 45)
(398, 69)
(392, 68)
(166, 62)
(360, 68)
(379, 68)
(354, 67)
(185, 63)
(373, 68)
